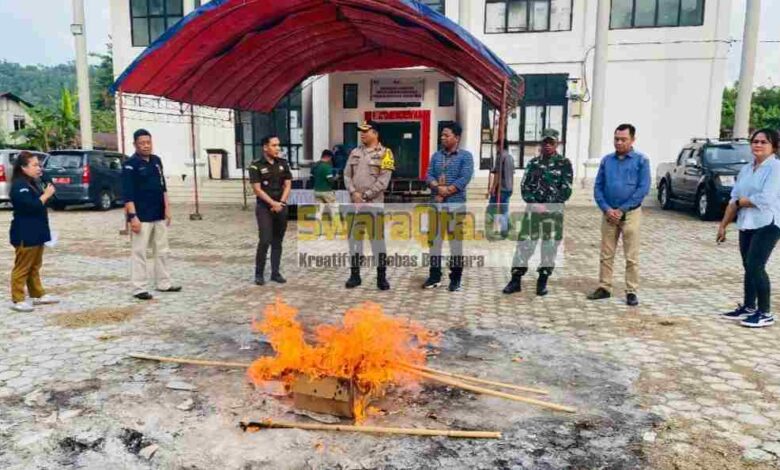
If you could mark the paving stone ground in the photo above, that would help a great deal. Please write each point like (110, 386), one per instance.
(714, 384)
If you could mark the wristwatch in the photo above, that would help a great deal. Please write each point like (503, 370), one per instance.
(130, 216)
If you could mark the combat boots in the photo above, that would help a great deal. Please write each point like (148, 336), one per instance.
(381, 279)
(354, 278)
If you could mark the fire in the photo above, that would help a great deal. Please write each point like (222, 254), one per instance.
(366, 347)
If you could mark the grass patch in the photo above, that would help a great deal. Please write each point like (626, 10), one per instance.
(95, 317)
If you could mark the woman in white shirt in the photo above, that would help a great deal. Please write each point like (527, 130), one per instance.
(755, 203)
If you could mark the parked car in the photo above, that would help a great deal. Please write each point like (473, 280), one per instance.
(7, 159)
(85, 177)
(702, 176)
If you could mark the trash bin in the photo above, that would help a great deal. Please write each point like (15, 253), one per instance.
(217, 164)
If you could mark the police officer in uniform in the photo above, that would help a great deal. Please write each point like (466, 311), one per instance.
(271, 181)
(547, 180)
(366, 177)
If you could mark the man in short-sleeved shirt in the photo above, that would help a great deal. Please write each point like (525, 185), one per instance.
(271, 181)
(322, 172)
(366, 176)
(148, 213)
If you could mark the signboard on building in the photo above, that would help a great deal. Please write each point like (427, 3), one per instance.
(399, 90)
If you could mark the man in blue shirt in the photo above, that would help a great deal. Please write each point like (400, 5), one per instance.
(149, 215)
(622, 183)
(449, 173)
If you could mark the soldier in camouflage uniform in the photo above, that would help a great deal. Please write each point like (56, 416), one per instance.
(547, 180)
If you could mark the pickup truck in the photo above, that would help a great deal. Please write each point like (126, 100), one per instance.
(702, 176)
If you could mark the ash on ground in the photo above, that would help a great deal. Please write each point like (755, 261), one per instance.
(133, 420)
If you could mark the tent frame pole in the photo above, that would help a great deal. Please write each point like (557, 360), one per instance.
(196, 215)
(501, 138)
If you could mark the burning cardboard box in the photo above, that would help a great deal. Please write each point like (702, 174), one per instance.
(330, 395)
(346, 365)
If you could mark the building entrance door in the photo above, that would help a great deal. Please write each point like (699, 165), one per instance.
(403, 138)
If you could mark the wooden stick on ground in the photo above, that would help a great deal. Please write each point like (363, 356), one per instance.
(440, 376)
(487, 391)
(372, 429)
(476, 379)
(195, 362)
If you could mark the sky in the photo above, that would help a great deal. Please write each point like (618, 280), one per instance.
(38, 32)
(768, 53)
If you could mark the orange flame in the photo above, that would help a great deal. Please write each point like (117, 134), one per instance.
(366, 348)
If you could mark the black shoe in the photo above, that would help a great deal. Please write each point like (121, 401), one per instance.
(632, 300)
(740, 313)
(170, 289)
(143, 296)
(432, 282)
(381, 280)
(260, 280)
(455, 285)
(541, 285)
(758, 319)
(599, 294)
(278, 278)
(515, 285)
(354, 279)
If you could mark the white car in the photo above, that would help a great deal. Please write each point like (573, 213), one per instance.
(7, 159)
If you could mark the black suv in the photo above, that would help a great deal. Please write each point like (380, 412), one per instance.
(85, 177)
(703, 175)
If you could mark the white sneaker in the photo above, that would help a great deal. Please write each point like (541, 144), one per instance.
(25, 306)
(46, 300)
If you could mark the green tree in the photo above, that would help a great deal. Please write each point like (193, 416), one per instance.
(41, 85)
(51, 127)
(40, 132)
(103, 104)
(764, 109)
(102, 79)
(66, 121)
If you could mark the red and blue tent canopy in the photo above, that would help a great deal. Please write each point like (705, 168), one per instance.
(248, 54)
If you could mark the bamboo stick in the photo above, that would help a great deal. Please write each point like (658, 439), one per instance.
(439, 376)
(372, 429)
(476, 379)
(195, 362)
(487, 391)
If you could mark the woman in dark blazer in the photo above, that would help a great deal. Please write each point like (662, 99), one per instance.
(29, 232)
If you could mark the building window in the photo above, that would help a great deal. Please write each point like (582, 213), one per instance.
(151, 18)
(19, 123)
(350, 137)
(656, 13)
(527, 16)
(350, 96)
(285, 121)
(446, 94)
(437, 5)
(544, 106)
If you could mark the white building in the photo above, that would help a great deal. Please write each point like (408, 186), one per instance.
(666, 73)
(13, 115)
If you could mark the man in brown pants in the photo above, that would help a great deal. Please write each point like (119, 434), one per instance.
(622, 183)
